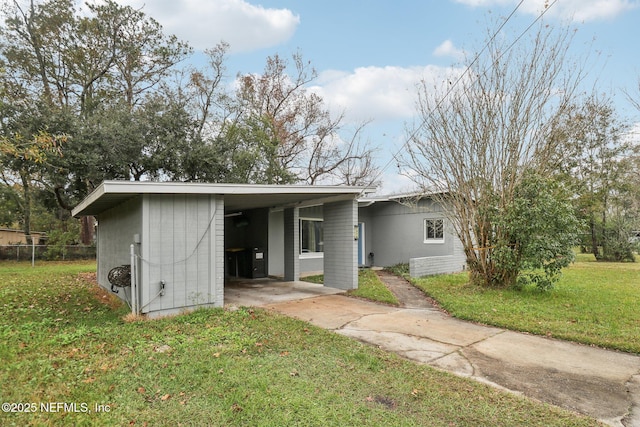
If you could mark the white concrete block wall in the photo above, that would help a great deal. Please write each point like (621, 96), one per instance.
(428, 266)
(217, 254)
(340, 246)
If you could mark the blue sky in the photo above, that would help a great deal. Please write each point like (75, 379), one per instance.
(371, 54)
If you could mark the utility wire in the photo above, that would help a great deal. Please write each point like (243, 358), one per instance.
(193, 252)
(466, 71)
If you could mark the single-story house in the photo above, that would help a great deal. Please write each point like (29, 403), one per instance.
(180, 240)
(408, 228)
(405, 228)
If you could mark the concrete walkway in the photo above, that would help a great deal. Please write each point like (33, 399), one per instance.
(602, 384)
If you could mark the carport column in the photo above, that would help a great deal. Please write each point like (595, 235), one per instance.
(291, 244)
(340, 245)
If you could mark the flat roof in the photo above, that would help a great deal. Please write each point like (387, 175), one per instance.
(236, 196)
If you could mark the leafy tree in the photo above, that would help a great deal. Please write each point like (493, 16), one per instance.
(91, 69)
(296, 132)
(23, 156)
(107, 76)
(10, 202)
(477, 140)
(58, 240)
(538, 228)
(210, 102)
(594, 163)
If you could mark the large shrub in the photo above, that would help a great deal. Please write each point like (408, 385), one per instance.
(535, 234)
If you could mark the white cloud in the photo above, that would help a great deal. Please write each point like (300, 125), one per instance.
(577, 10)
(447, 48)
(204, 24)
(394, 182)
(376, 93)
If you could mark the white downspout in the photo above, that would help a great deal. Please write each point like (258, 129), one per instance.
(134, 281)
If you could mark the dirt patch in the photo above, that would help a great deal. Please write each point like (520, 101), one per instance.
(390, 404)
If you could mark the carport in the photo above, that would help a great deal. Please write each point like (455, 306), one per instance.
(178, 239)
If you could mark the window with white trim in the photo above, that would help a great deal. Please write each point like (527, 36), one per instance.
(311, 236)
(433, 230)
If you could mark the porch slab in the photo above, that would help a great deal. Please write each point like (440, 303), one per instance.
(265, 291)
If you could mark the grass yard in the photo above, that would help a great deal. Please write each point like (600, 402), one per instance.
(369, 287)
(69, 357)
(593, 303)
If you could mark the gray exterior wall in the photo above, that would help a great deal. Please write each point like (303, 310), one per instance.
(395, 232)
(182, 245)
(291, 244)
(311, 265)
(364, 216)
(116, 230)
(340, 247)
(275, 260)
(308, 264)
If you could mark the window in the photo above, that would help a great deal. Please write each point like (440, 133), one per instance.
(434, 230)
(311, 236)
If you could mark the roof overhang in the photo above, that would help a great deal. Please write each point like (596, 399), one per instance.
(237, 197)
(413, 197)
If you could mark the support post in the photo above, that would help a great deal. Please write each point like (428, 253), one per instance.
(134, 284)
(291, 244)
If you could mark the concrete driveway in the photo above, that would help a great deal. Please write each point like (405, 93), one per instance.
(599, 383)
(602, 384)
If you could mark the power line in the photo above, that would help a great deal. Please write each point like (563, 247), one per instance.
(466, 71)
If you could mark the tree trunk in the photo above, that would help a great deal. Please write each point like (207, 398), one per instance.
(26, 209)
(594, 238)
(86, 230)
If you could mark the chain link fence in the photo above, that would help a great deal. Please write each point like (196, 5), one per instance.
(46, 252)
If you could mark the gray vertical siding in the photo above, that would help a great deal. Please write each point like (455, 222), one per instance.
(116, 230)
(291, 244)
(340, 247)
(184, 247)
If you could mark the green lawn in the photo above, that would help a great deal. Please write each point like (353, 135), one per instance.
(369, 287)
(594, 303)
(66, 343)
